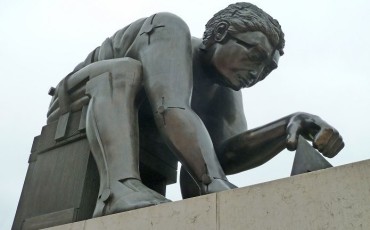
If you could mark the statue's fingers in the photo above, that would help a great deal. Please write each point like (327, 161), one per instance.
(293, 131)
(322, 138)
(331, 148)
(340, 147)
(336, 148)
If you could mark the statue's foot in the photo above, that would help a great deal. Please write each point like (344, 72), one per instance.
(217, 185)
(126, 195)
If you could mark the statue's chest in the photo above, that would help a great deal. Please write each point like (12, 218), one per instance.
(202, 98)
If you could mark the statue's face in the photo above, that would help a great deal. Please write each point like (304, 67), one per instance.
(242, 58)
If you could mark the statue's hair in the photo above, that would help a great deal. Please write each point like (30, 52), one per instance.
(244, 17)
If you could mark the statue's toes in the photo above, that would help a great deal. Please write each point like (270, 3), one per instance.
(217, 185)
(128, 195)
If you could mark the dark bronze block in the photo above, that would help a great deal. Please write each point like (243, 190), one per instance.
(307, 159)
(62, 180)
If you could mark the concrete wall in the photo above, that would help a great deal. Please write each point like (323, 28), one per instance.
(336, 198)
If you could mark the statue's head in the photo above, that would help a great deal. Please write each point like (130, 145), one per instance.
(251, 28)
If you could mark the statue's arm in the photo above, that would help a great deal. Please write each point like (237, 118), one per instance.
(168, 82)
(256, 146)
(239, 149)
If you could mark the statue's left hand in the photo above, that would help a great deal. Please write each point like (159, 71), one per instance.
(324, 137)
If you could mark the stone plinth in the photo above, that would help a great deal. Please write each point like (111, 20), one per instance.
(335, 198)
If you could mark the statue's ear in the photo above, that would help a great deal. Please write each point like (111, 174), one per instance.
(220, 32)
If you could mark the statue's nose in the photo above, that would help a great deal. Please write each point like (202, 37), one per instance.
(253, 74)
(256, 73)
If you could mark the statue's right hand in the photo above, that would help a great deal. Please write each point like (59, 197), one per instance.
(325, 138)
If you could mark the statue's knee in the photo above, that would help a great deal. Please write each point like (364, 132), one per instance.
(126, 71)
(167, 113)
(116, 77)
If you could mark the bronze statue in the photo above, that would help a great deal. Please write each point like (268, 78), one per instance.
(187, 90)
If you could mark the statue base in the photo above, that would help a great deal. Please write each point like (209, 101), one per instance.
(334, 198)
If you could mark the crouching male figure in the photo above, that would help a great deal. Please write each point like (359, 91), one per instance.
(189, 90)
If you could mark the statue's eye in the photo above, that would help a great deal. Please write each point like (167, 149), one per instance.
(242, 43)
(255, 52)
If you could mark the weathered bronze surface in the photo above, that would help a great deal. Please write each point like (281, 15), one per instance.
(152, 81)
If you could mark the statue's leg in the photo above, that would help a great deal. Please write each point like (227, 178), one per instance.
(189, 188)
(168, 82)
(112, 131)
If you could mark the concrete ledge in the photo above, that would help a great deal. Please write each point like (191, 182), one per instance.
(335, 198)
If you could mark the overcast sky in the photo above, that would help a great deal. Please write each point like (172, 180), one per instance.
(325, 71)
